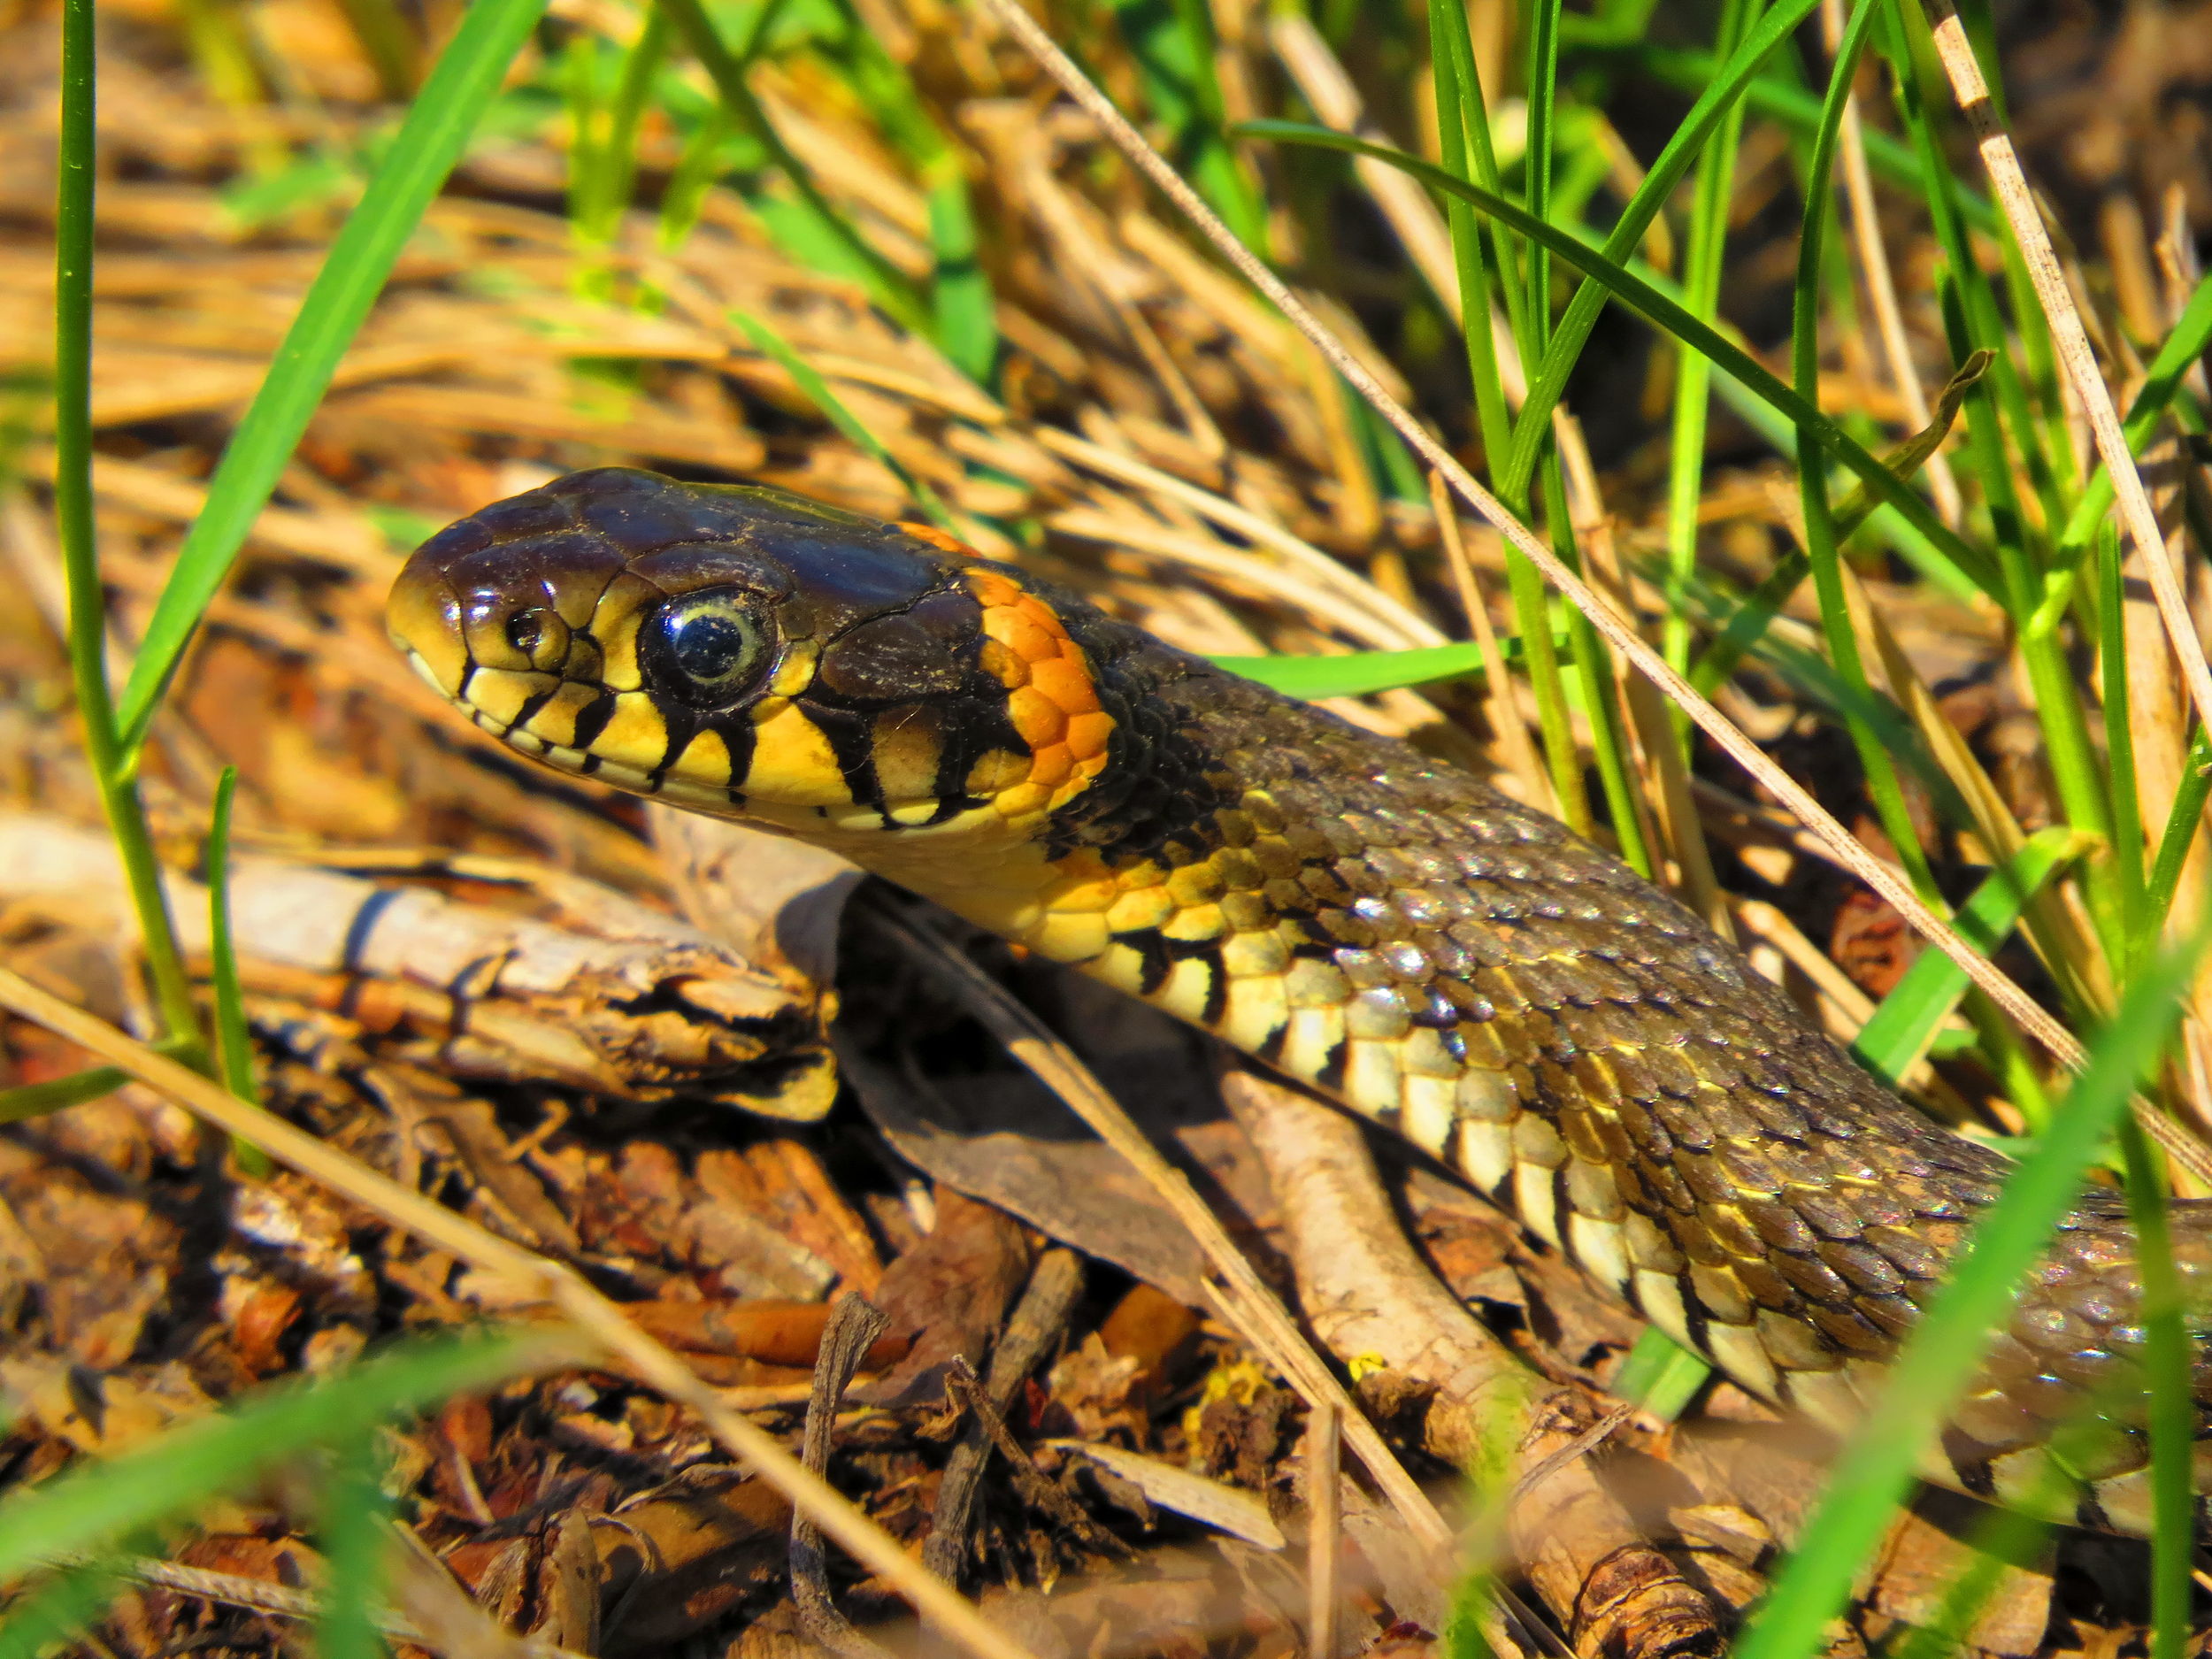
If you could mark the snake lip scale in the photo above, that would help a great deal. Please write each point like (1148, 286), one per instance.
(1392, 931)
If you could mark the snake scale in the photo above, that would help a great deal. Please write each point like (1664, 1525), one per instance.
(1392, 931)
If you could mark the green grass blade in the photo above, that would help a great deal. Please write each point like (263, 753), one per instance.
(2185, 345)
(960, 292)
(27, 1101)
(1941, 1358)
(1822, 548)
(1536, 158)
(1358, 673)
(1749, 624)
(1906, 32)
(2119, 740)
(1460, 107)
(818, 392)
(1706, 244)
(234, 1047)
(602, 163)
(1173, 44)
(59, 1609)
(430, 141)
(1659, 1375)
(1609, 276)
(887, 284)
(354, 1539)
(2183, 824)
(107, 755)
(1798, 110)
(1547, 381)
(1904, 1024)
(94, 1502)
(695, 168)
(1464, 140)
(2166, 1366)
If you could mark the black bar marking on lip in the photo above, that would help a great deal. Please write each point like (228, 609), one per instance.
(592, 720)
(851, 738)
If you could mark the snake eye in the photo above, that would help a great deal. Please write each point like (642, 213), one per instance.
(524, 630)
(710, 649)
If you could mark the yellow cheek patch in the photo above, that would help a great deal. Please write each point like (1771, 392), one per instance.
(615, 621)
(1051, 698)
(795, 672)
(794, 764)
(705, 762)
(1001, 769)
(556, 722)
(635, 735)
(907, 755)
(423, 618)
(501, 694)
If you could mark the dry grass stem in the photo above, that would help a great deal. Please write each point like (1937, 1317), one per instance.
(2071, 339)
(1506, 724)
(1325, 1519)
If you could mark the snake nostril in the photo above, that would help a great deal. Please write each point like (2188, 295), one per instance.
(540, 636)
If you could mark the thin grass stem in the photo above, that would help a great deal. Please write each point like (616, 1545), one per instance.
(429, 143)
(105, 752)
(2166, 1366)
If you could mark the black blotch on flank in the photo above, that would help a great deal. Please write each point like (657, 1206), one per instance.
(1970, 1464)
(1217, 989)
(1696, 1324)
(1331, 1075)
(1158, 959)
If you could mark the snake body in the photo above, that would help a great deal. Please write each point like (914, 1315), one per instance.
(1392, 931)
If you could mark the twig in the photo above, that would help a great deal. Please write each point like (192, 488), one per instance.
(590, 1312)
(1037, 1321)
(854, 1323)
(1324, 1529)
(280, 1600)
(962, 1383)
(2030, 1017)
(2017, 203)
(1505, 715)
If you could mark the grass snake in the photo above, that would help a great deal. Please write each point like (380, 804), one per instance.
(1394, 932)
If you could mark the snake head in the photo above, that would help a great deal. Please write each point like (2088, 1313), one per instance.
(744, 651)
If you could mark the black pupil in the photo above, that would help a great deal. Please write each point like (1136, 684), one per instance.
(524, 631)
(710, 645)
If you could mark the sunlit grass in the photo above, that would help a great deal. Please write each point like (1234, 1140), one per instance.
(1533, 237)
